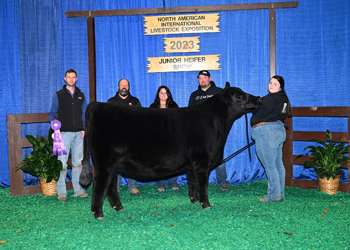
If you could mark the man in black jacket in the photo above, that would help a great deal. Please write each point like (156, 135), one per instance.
(207, 89)
(124, 97)
(70, 105)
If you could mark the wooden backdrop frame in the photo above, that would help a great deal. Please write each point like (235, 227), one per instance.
(91, 14)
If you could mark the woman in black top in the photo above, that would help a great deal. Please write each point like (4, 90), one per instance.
(269, 134)
(165, 100)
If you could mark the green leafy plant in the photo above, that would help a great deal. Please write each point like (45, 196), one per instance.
(41, 162)
(328, 158)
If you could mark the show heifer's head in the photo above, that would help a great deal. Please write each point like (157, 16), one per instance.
(242, 101)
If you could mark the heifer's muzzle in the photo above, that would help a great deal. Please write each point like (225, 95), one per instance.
(247, 105)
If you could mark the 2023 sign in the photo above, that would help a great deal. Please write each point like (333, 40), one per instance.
(186, 45)
(181, 44)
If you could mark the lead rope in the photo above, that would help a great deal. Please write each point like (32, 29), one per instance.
(237, 152)
(242, 149)
(246, 129)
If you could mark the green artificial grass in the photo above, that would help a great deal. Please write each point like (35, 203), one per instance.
(307, 219)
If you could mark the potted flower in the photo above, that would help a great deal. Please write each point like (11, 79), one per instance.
(327, 160)
(42, 163)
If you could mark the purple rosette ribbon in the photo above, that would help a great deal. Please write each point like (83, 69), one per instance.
(58, 146)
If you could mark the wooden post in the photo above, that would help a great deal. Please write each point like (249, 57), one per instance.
(92, 58)
(272, 15)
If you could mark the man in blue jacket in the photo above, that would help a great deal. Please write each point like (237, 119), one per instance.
(70, 105)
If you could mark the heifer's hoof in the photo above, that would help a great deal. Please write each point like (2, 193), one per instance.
(206, 206)
(194, 201)
(118, 208)
(100, 216)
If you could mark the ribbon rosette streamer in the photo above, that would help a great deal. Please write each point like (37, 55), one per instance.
(58, 146)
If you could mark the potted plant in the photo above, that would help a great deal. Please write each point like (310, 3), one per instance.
(42, 163)
(327, 160)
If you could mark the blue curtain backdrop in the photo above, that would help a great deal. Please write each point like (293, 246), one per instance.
(39, 43)
(10, 90)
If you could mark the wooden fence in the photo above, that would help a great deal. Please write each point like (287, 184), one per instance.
(15, 145)
(289, 158)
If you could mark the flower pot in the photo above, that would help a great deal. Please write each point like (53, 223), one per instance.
(48, 189)
(330, 186)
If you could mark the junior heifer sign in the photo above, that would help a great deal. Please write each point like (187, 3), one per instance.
(183, 63)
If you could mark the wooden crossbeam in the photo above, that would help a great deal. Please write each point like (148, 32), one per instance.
(189, 9)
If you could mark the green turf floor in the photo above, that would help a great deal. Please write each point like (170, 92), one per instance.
(307, 219)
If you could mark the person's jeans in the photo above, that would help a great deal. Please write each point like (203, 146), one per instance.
(221, 175)
(172, 182)
(131, 183)
(72, 141)
(269, 139)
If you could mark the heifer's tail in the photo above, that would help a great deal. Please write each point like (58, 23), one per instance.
(86, 173)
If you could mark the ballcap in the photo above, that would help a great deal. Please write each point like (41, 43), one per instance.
(204, 73)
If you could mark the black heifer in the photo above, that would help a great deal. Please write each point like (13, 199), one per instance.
(152, 144)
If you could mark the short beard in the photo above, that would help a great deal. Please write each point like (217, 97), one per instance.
(124, 93)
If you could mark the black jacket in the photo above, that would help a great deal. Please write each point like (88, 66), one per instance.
(130, 100)
(273, 108)
(70, 110)
(200, 96)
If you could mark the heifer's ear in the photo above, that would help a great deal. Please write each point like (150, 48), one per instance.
(227, 85)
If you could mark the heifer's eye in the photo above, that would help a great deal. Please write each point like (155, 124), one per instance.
(238, 97)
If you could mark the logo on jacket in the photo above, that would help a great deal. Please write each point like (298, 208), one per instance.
(130, 104)
(203, 97)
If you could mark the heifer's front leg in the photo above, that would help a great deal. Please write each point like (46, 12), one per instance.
(203, 178)
(192, 187)
(112, 194)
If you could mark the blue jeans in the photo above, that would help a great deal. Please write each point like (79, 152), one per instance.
(131, 183)
(72, 141)
(172, 182)
(221, 175)
(269, 139)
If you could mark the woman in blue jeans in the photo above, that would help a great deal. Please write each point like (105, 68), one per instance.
(164, 100)
(269, 134)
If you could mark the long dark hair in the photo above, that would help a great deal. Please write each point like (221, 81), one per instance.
(281, 81)
(170, 97)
